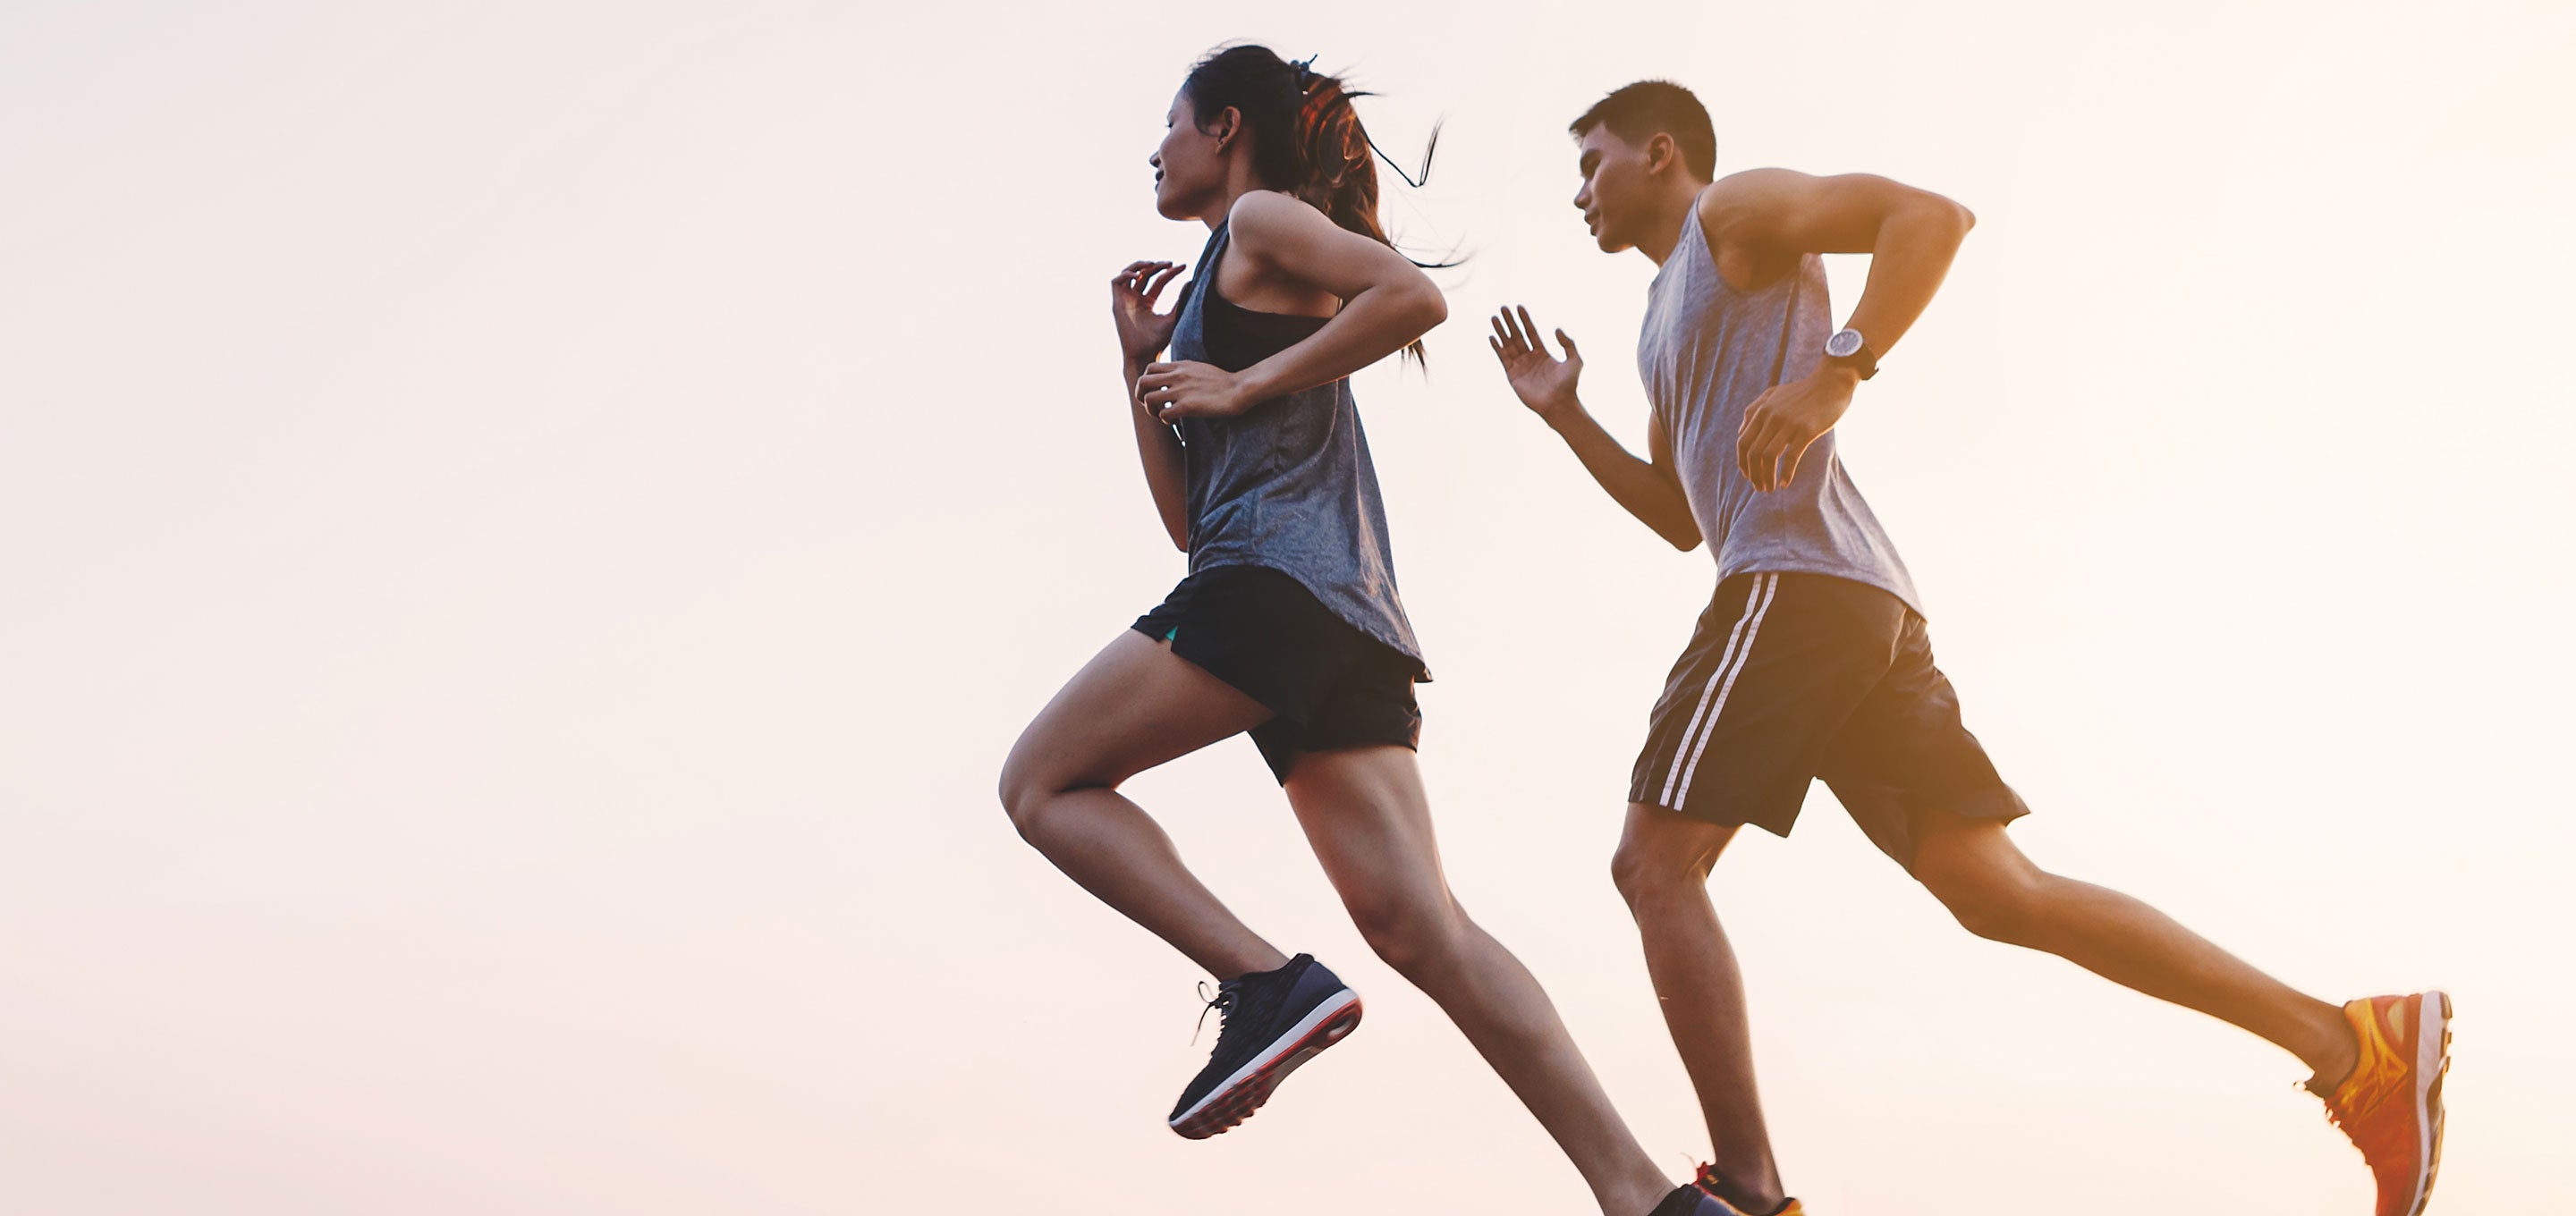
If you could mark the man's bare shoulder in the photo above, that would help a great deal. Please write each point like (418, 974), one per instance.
(1738, 200)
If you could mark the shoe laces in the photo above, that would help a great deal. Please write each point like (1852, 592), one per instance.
(2336, 1116)
(1223, 1003)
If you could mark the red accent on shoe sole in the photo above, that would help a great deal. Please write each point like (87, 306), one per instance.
(1233, 1106)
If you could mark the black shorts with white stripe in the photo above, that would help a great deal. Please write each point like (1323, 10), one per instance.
(1793, 677)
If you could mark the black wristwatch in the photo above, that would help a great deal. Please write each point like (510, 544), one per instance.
(1848, 349)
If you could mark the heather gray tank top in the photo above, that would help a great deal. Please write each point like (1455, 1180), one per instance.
(1288, 483)
(1705, 352)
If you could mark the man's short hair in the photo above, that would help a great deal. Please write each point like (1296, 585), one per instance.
(1637, 112)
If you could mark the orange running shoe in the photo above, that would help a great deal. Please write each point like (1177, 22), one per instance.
(2391, 1104)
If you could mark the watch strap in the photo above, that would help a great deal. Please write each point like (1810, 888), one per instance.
(1864, 361)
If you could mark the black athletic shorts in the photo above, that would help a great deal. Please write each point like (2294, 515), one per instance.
(1330, 685)
(1792, 677)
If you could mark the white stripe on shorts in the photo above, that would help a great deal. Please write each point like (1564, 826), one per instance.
(1768, 591)
(1753, 602)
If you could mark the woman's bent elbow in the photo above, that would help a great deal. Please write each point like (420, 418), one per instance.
(1425, 309)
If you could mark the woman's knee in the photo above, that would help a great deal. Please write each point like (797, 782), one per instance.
(1412, 935)
(1017, 795)
(1026, 786)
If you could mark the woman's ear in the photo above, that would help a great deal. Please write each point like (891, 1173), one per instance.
(1228, 121)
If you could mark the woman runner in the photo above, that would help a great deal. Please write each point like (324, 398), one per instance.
(1288, 625)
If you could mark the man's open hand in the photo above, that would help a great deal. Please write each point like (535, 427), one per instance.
(1544, 382)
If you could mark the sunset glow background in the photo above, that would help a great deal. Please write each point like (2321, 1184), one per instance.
(530, 528)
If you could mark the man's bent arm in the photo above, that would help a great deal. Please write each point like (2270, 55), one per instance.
(1910, 234)
(1760, 220)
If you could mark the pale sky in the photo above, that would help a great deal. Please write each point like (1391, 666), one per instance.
(531, 527)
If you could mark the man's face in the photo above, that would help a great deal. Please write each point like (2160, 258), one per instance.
(1618, 177)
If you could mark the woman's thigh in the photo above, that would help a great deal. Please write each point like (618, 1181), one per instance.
(1368, 818)
(1133, 706)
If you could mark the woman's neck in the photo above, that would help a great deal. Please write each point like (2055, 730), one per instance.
(1239, 181)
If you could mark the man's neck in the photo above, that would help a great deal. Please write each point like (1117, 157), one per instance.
(1664, 229)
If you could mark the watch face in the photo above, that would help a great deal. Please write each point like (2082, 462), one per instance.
(1844, 344)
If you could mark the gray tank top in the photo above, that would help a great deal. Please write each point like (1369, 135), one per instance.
(1705, 352)
(1288, 483)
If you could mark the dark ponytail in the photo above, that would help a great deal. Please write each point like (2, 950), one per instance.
(1307, 140)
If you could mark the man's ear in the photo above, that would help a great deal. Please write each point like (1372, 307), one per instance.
(1661, 152)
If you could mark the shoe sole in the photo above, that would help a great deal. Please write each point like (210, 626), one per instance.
(1244, 1092)
(2432, 1061)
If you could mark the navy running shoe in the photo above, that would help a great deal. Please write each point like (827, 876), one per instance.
(1724, 1194)
(1272, 1021)
(1690, 1200)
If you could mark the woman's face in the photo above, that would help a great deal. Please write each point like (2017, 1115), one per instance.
(1189, 166)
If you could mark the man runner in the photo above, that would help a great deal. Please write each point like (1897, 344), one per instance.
(1812, 660)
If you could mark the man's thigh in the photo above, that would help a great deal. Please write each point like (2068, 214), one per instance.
(1773, 670)
(1904, 764)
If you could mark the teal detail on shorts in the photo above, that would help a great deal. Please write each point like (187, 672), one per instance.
(1174, 635)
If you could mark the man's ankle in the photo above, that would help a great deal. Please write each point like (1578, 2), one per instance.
(2334, 1065)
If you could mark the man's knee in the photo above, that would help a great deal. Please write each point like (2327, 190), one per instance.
(1642, 872)
(1984, 882)
(1650, 863)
